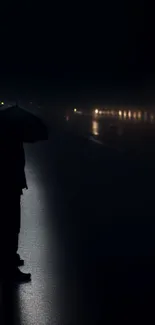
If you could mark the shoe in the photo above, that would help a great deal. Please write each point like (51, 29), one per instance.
(21, 277)
(19, 261)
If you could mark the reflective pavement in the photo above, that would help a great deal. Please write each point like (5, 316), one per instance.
(87, 234)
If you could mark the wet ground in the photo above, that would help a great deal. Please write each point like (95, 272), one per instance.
(88, 228)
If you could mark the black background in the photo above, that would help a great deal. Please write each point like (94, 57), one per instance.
(74, 48)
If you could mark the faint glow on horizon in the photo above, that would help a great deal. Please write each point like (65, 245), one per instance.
(95, 128)
(133, 115)
(152, 117)
(145, 116)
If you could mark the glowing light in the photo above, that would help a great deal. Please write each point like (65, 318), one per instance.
(120, 113)
(96, 111)
(152, 117)
(75, 110)
(125, 114)
(134, 115)
(129, 114)
(100, 112)
(95, 128)
(2, 103)
(139, 115)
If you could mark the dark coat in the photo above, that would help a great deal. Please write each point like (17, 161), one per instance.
(12, 161)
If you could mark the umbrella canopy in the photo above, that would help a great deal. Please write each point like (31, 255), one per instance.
(23, 124)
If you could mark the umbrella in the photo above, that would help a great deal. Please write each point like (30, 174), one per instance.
(23, 124)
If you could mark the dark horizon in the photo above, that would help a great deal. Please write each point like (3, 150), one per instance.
(89, 95)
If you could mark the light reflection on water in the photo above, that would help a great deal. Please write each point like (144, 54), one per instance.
(127, 115)
(117, 120)
(95, 127)
(115, 124)
(123, 128)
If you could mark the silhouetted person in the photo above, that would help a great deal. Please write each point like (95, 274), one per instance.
(22, 185)
(16, 126)
(12, 181)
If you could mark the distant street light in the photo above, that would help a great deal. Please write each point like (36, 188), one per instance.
(120, 113)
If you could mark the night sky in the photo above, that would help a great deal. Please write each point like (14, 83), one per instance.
(74, 49)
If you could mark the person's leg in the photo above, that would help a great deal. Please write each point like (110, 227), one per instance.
(18, 275)
(4, 233)
(18, 221)
(12, 229)
(8, 230)
(19, 261)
